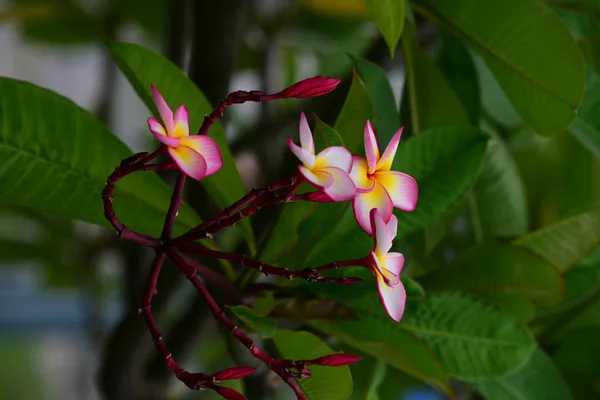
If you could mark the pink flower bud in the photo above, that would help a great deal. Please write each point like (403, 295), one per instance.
(311, 87)
(229, 393)
(337, 360)
(233, 373)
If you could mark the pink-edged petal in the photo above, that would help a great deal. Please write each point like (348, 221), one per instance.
(381, 233)
(371, 147)
(390, 278)
(392, 226)
(306, 139)
(189, 161)
(393, 262)
(364, 202)
(319, 197)
(393, 298)
(182, 124)
(402, 189)
(208, 149)
(163, 109)
(334, 156)
(342, 188)
(386, 160)
(307, 159)
(359, 173)
(159, 132)
(318, 178)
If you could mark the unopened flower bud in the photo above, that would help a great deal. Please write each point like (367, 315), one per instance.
(337, 360)
(233, 373)
(311, 87)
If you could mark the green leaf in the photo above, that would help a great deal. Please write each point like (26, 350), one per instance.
(587, 126)
(577, 357)
(264, 326)
(516, 304)
(538, 379)
(520, 41)
(430, 100)
(445, 162)
(264, 305)
(458, 67)
(387, 342)
(500, 194)
(357, 109)
(386, 118)
(57, 156)
(500, 269)
(326, 383)
(389, 17)
(566, 242)
(143, 67)
(473, 340)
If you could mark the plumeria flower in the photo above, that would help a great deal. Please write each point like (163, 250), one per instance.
(387, 266)
(197, 156)
(377, 186)
(327, 170)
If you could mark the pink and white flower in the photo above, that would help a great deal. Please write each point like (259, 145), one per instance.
(197, 156)
(328, 170)
(377, 186)
(387, 266)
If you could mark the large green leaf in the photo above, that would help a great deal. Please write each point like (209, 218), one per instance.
(262, 325)
(326, 383)
(430, 100)
(567, 242)
(500, 269)
(57, 156)
(587, 126)
(389, 17)
(520, 41)
(473, 340)
(445, 162)
(386, 119)
(501, 205)
(457, 65)
(538, 379)
(143, 67)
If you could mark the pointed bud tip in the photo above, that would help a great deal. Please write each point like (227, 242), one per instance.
(229, 393)
(338, 360)
(310, 87)
(233, 373)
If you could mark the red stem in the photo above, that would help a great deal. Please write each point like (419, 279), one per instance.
(310, 274)
(176, 202)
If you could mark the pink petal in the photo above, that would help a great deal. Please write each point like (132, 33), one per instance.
(393, 298)
(384, 234)
(182, 124)
(393, 262)
(163, 109)
(318, 178)
(371, 147)
(306, 139)
(386, 160)
(342, 188)
(189, 161)
(401, 188)
(208, 149)
(364, 202)
(390, 278)
(319, 197)
(307, 159)
(334, 156)
(337, 360)
(159, 132)
(359, 173)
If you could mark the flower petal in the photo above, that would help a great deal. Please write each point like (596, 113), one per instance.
(402, 189)
(318, 178)
(393, 298)
(334, 156)
(189, 161)
(393, 262)
(208, 149)
(371, 147)
(342, 188)
(159, 132)
(306, 139)
(390, 278)
(386, 160)
(307, 159)
(364, 202)
(163, 109)
(359, 174)
(182, 124)
(383, 233)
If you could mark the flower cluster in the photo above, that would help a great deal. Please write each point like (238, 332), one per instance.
(375, 190)
(337, 175)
